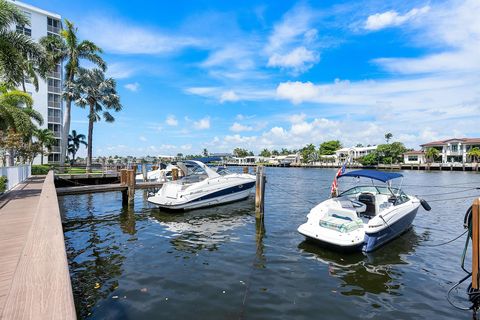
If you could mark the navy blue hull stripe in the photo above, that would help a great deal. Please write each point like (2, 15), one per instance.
(224, 192)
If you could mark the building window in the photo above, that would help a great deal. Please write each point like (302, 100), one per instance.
(53, 25)
(454, 148)
(53, 157)
(54, 100)
(412, 158)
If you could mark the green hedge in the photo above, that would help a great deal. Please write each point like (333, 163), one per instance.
(3, 184)
(40, 170)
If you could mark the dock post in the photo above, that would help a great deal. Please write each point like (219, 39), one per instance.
(260, 192)
(144, 171)
(131, 186)
(123, 182)
(245, 169)
(475, 242)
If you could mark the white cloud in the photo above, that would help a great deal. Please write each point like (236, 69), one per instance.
(120, 70)
(291, 44)
(299, 59)
(229, 95)
(115, 36)
(297, 91)
(171, 120)
(237, 127)
(202, 124)
(392, 18)
(142, 138)
(454, 30)
(132, 86)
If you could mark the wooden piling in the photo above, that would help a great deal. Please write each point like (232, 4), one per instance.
(131, 186)
(260, 192)
(475, 242)
(124, 182)
(245, 169)
(144, 171)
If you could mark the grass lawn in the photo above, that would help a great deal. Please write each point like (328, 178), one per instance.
(79, 171)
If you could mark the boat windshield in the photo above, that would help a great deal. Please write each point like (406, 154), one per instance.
(371, 189)
(223, 171)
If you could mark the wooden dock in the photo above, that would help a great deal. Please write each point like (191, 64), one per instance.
(34, 277)
(105, 188)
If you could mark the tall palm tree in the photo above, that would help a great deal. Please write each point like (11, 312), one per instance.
(74, 142)
(46, 139)
(92, 89)
(20, 56)
(474, 153)
(69, 49)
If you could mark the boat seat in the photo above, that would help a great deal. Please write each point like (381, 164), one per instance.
(369, 200)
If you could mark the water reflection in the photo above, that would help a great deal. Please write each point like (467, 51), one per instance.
(204, 229)
(95, 251)
(373, 272)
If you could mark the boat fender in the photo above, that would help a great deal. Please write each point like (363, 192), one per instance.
(425, 205)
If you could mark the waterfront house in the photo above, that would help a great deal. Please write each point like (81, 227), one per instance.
(453, 150)
(353, 153)
(414, 157)
(289, 159)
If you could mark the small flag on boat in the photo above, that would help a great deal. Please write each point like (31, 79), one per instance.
(340, 171)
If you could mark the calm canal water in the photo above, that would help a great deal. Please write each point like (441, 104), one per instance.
(217, 263)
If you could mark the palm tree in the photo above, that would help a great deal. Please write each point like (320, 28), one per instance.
(20, 57)
(46, 139)
(388, 136)
(17, 116)
(205, 152)
(431, 154)
(67, 48)
(74, 142)
(474, 153)
(92, 89)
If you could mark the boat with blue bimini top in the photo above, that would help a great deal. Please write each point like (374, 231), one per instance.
(363, 217)
(201, 187)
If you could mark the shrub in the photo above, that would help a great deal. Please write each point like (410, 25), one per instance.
(40, 170)
(3, 184)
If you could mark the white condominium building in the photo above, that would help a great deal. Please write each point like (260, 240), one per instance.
(47, 100)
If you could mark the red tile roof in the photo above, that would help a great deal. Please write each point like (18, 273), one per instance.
(415, 152)
(442, 142)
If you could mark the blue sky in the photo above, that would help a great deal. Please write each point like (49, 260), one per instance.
(256, 74)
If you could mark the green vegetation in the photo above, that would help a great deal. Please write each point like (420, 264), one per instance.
(3, 184)
(329, 147)
(388, 136)
(265, 153)
(74, 142)
(40, 169)
(385, 154)
(431, 154)
(241, 153)
(474, 153)
(45, 139)
(93, 90)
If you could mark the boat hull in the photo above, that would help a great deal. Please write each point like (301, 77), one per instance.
(224, 196)
(377, 239)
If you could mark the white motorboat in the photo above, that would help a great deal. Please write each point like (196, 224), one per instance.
(160, 175)
(363, 217)
(202, 187)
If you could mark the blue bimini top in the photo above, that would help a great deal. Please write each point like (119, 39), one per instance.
(373, 174)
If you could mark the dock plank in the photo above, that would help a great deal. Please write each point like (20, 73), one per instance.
(40, 286)
(104, 188)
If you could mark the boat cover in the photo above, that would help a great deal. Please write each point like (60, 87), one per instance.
(373, 174)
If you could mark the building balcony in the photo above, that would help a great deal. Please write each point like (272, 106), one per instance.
(55, 149)
(53, 29)
(55, 119)
(54, 89)
(57, 134)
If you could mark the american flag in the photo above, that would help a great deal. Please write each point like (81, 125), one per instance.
(340, 171)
